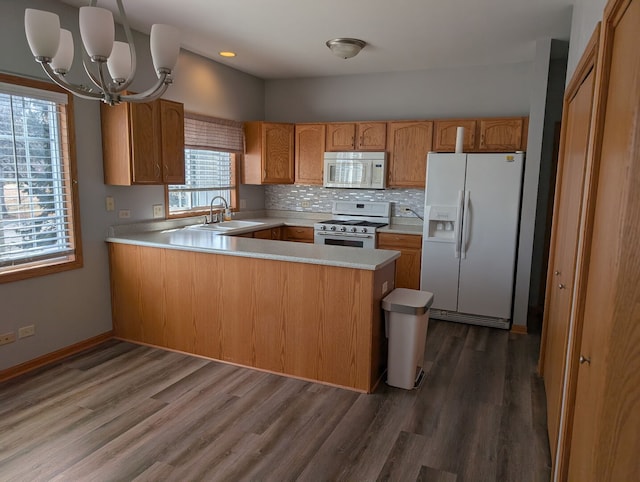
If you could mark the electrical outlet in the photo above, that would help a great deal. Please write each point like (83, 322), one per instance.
(405, 209)
(124, 214)
(305, 204)
(158, 211)
(6, 338)
(26, 331)
(109, 203)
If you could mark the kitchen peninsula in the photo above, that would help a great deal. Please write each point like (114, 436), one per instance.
(302, 310)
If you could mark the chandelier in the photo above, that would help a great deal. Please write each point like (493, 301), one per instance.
(109, 64)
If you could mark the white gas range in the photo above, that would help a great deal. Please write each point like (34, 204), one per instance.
(354, 224)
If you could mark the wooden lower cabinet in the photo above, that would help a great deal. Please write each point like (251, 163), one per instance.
(298, 233)
(309, 321)
(271, 233)
(408, 265)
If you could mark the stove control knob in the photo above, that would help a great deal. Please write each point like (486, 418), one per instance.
(322, 227)
(353, 230)
(333, 228)
(343, 229)
(364, 230)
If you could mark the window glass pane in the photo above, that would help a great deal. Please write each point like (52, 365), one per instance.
(208, 173)
(35, 210)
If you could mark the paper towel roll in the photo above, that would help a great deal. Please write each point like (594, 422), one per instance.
(459, 140)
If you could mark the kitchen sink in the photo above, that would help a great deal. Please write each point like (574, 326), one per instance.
(225, 225)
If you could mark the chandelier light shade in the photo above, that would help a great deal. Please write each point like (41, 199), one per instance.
(346, 47)
(97, 31)
(43, 32)
(165, 46)
(119, 62)
(61, 62)
(110, 64)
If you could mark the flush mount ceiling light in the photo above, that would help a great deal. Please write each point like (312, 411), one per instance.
(115, 62)
(227, 54)
(346, 47)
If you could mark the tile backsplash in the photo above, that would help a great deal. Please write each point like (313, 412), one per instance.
(301, 198)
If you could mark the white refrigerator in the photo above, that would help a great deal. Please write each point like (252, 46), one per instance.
(472, 214)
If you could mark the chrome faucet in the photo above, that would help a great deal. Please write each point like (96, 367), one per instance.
(226, 207)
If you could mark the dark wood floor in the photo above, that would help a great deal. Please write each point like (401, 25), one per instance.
(127, 412)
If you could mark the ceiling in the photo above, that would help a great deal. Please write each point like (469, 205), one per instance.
(278, 39)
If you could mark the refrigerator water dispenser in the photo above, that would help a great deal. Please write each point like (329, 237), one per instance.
(442, 222)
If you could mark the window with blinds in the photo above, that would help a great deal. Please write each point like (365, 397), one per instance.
(210, 151)
(37, 202)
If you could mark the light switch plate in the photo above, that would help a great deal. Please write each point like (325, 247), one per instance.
(158, 211)
(109, 203)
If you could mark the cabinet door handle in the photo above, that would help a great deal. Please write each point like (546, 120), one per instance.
(557, 273)
(584, 359)
(561, 286)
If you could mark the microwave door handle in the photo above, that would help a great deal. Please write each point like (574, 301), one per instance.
(366, 178)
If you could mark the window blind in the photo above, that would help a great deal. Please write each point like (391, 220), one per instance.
(213, 133)
(36, 220)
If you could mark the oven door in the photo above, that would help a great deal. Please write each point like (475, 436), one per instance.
(343, 239)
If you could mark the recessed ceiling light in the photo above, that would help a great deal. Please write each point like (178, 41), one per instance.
(227, 54)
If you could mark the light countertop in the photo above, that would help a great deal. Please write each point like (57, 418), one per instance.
(174, 235)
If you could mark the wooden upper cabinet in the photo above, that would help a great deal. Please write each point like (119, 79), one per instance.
(309, 149)
(444, 137)
(409, 143)
(268, 155)
(360, 136)
(506, 134)
(172, 135)
(341, 137)
(372, 136)
(501, 135)
(143, 143)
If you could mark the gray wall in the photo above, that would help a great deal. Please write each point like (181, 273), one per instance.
(70, 307)
(586, 14)
(470, 92)
(546, 186)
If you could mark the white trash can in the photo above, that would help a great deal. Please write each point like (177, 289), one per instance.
(406, 315)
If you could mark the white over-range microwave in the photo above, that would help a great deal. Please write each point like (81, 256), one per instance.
(355, 170)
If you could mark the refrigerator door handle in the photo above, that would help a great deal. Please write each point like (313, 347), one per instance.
(457, 233)
(465, 225)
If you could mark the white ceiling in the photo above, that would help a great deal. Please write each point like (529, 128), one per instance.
(276, 39)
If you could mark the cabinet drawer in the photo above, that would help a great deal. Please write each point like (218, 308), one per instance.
(392, 241)
(297, 233)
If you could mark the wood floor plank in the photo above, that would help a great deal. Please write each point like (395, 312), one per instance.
(126, 412)
(424, 416)
(524, 459)
(59, 451)
(429, 474)
(282, 452)
(406, 458)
